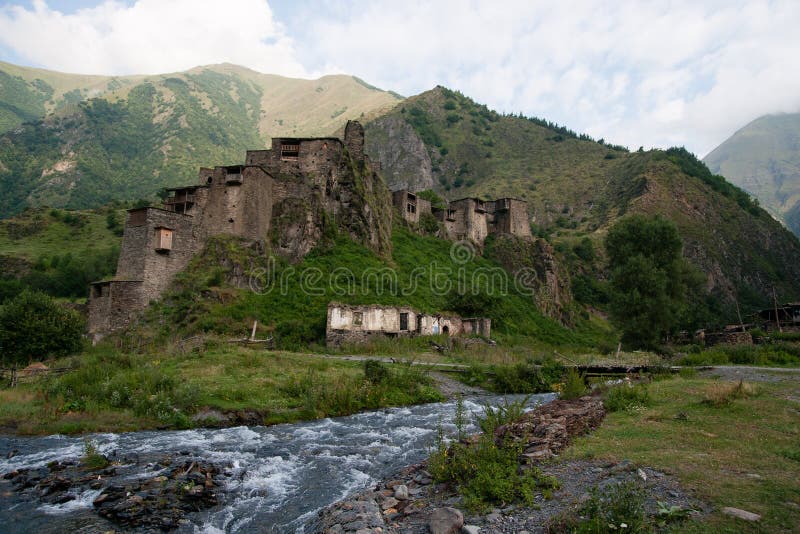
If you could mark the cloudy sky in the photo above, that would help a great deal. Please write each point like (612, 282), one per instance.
(656, 74)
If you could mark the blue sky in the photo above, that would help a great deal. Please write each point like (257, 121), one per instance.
(652, 74)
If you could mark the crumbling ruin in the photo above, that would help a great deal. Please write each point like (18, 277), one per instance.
(285, 197)
(355, 324)
(469, 219)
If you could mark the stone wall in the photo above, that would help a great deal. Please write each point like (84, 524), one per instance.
(410, 206)
(144, 269)
(112, 305)
(470, 220)
(510, 217)
(356, 324)
(354, 139)
(728, 338)
(237, 201)
(287, 196)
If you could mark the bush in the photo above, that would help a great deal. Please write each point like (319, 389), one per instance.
(494, 417)
(626, 397)
(776, 353)
(526, 377)
(33, 325)
(574, 385)
(92, 459)
(618, 507)
(375, 371)
(428, 223)
(487, 474)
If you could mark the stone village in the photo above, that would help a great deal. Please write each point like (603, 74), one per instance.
(286, 196)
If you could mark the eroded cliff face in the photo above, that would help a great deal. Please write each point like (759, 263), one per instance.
(532, 263)
(351, 199)
(740, 254)
(405, 162)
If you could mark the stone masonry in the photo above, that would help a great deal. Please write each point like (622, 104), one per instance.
(284, 197)
(358, 323)
(469, 219)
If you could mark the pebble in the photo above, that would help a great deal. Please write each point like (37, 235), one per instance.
(401, 492)
(389, 502)
(470, 529)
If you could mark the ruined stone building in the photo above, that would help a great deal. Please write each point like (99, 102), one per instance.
(284, 197)
(354, 324)
(472, 219)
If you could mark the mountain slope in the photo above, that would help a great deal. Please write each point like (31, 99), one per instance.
(764, 159)
(107, 138)
(576, 187)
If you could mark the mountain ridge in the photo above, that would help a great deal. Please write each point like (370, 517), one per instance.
(763, 157)
(577, 188)
(81, 141)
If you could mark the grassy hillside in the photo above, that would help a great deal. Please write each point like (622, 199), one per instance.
(293, 307)
(764, 159)
(58, 251)
(577, 187)
(81, 141)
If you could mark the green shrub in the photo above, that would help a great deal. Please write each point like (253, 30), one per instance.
(92, 459)
(526, 377)
(776, 353)
(487, 474)
(497, 416)
(428, 223)
(375, 371)
(574, 384)
(33, 325)
(612, 507)
(626, 397)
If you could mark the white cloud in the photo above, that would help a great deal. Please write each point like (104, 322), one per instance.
(632, 72)
(150, 36)
(635, 73)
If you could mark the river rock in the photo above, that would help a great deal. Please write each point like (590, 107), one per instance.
(401, 492)
(741, 514)
(548, 429)
(470, 529)
(445, 521)
(389, 502)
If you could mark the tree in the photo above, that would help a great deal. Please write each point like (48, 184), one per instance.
(649, 278)
(33, 325)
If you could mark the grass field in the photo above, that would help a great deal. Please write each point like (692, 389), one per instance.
(112, 391)
(731, 450)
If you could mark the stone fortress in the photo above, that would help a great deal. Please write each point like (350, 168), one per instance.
(469, 219)
(283, 200)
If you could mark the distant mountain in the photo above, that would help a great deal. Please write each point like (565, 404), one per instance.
(80, 141)
(764, 159)
(577, 187)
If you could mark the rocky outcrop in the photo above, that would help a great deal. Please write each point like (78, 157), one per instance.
(180, 486)
(405, 162)
(550, 428)
(532, 263)
(432, 507)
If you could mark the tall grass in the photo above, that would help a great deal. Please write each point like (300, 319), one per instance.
(778, 353)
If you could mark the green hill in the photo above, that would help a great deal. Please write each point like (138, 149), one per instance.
(764, 159)
(59, 251)
(80, 141)
(577, 187)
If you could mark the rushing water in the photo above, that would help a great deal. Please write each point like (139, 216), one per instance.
(282, 475)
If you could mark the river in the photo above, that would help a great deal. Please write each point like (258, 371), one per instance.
(280, 475)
